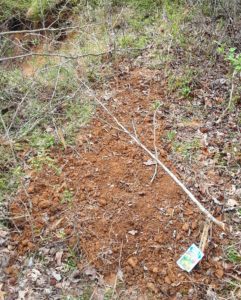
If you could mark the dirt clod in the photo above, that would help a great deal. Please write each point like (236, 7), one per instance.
(132, 261)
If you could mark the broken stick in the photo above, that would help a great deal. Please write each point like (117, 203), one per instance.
(139, 143)
(204, 237)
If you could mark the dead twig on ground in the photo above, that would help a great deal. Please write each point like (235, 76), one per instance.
(204, 237)
(38, 30)
(69, 56)
(119, 270)
(230, 100)
(8, 138)
(154, 144)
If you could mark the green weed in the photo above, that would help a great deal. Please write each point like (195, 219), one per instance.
(182, 83)
(87, 293)
(67, 197)
(10, 180)
(171, 135)
(12, 7)
(234, 59)
(77, 115)
(42, 141)
(61, 235)
(233, 255)
(70, 264)
(133, 41)
(187, 149)
(41, 160)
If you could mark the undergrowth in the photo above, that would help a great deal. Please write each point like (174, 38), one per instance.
(47, 108)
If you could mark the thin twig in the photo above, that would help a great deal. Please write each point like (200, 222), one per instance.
(69, 56)
(154, 144)
(119, 268)
(52, 55)
(7, 136)
(38, 30)
(204, 237)
(230, 99)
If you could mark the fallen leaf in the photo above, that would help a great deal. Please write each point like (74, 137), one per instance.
(58, 257)
(56, 275)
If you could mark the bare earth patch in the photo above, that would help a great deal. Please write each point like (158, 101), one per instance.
(102, 205)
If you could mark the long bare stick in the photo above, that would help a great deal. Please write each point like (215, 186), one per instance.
(69, 56)
(37, 30)
(138, 142)
(52, 55)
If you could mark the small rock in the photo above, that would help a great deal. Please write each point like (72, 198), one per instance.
(2, 241)
(152, 287)
(12, 271)
(162, 152)
(204, 129)
(232, 203)
(155, 270)
(185, 227)
(45, 204)
(142, 193)
(52, 281)
(133, 232)
(132, 261)
(102, 202)
(164, 287)
(150, 162)
(167, 280)
(194, 225)
(219, 273)
(31, 189)
(178, 296)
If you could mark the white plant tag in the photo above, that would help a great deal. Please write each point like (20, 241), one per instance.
(190, 258)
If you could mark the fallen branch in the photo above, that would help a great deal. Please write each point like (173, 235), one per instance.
(153, 156)
(62, 55)
(37, 30)
(52, 55)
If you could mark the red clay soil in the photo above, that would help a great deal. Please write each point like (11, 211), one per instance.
(116, 216)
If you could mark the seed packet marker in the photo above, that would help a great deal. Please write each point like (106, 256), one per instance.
(190, 258)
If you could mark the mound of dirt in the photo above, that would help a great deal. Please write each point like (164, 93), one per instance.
(103, 203)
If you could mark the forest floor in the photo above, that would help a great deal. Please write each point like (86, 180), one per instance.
(97, 220)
